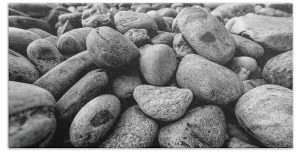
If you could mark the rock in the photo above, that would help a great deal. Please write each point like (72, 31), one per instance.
(87, 88)
(167, 12)
(123, 85)
(237, 143)
(31, 116)
(36, 10)
(143, 8)
(13, 12)
(252, 83)
(21, 69)
(163, 103)
(41, 33)
(209, 81)
(230, 10)
(275, 33)
(74, 41)
(126, 20)
(44, 55)
(266, 112)
(28, 22)
(163, 38)
(246, 47)
(109, 48)
(139, 37)
(157, 63)
(98, 20)
(206, 35)
(286, 7)
(133, 130)
(156, 6)
(279, 70)
(62, 77)
(271, 12)
(181, 47)
(161, 23)
(201, 127)
(19, 39)
(94, 120)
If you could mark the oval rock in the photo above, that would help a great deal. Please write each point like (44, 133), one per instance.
(266, 112)
(94, 120)
(209, 81)
(163, 103)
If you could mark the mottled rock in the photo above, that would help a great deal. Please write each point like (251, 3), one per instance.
(94, 120)
(163, 103)
(206, 35)
(266, 112)
(208, 81)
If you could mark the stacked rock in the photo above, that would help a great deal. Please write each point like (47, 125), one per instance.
(137, 75)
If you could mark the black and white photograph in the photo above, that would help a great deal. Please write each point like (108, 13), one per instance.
(150, 75)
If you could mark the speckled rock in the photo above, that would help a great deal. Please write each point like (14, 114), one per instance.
(181, 47)
(133, 130)
(109, 48)
(246, 47)
(44, 55)
(266, 112)
(275, 33)
(157, 63)
(279, 70)
(126, 20)
(201, 127)
(163, 103)
(209, 81)
(21, 69)
(94, 120)
(206, 35)
(139, 37)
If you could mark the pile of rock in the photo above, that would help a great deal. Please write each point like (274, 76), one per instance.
(150, 75)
